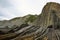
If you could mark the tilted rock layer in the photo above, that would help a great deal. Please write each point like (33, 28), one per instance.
(46, 26)
(50, 15)
(49, 22)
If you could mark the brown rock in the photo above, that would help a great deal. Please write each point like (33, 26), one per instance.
(50, 15)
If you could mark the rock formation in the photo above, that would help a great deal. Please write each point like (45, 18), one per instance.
(16, 23)
(50, 15)
(45, 27)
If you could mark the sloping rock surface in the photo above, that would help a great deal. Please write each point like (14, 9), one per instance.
(45, 27)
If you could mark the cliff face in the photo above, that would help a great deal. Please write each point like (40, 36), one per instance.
(18, 21)
(50, 15)
(47, 21)
(44, 26)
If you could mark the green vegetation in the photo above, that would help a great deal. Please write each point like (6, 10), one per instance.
(31, 18)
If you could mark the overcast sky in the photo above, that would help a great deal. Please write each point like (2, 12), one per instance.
(16, 8)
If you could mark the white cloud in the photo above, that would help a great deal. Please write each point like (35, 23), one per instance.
(27, 6)
(6, 13)
(13, 8)
(3, 18)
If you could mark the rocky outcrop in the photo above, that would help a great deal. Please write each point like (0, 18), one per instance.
(50, 15)
(18, 21)
(45, 27)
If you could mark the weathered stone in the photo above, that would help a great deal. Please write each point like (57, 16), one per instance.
(46, 26)
(49, 16)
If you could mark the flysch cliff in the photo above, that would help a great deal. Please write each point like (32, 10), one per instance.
(45, 27)
(50, 15)
(7, 25)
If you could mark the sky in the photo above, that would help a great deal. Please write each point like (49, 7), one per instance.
(18, 8)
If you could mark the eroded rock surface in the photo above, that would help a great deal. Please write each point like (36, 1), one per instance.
(45, 27)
